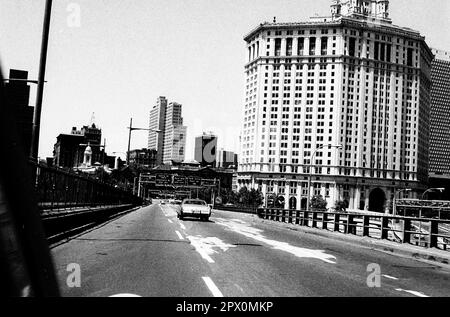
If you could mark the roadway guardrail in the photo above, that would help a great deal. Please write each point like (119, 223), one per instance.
(436, 234)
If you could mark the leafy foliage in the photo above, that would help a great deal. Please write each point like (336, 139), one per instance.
(318, 203)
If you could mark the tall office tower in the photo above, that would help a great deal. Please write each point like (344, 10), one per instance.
(205, 149)
(17, 93)
(157, 122)
(174, 144)
(440, 115)
(353, 80)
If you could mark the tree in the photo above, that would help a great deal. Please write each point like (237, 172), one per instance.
(340, 206)
(318, 203)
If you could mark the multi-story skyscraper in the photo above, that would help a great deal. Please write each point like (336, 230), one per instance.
(157, 122)
(170, 144)
(354, 80)
(17, 93)
(205, 149)
(174, 135)
(440, 115)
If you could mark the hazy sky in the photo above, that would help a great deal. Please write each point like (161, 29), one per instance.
(123, 54)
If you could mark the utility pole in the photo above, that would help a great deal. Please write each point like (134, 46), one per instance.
(129, 141)
(40, 88)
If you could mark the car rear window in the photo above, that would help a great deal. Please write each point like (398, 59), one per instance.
(194, 202)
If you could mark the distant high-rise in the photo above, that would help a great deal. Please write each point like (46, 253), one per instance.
(352, 79)
(17, 93)
(157, 122)
(174, 135)
(440, 115)
(170, 144)
(227, 159)
(206, 149)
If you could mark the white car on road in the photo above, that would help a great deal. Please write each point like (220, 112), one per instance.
(194, 208)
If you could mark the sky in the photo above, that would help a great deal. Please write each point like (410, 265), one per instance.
(113, 58)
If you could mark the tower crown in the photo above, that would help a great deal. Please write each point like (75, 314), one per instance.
(377, 9)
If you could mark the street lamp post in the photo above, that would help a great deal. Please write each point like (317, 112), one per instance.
(310, 170)
(41, 78)
(131, 128)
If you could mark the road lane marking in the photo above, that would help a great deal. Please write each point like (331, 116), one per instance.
(418, 294)
(169, 220)
(205, 246)
(390, 277)
(255, 233)
(182, 226)
(212, 287)
(179, 235)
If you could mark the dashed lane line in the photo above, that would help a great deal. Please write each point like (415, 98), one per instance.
(212, 287)
(415, 293)
(179, 235)
(390, 277)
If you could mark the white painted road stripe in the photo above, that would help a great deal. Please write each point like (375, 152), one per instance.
(170, 220)
(390, 277)
(179, 235)
(182, 226)
(419, 294)
(212, 287)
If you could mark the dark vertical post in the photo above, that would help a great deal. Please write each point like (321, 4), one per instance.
(384, 228)
(366, 225)
(434, 231)
(325, 221)
(406, 231)
(129, 141)
(40, 88)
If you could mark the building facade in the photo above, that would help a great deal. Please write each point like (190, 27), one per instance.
(142, 158)
(170, 144)
(174, 146)
(157, 121)
(69, 149)
(353, 80)
(205, 151)
(227, 159)
(17, 96)
(440, 114)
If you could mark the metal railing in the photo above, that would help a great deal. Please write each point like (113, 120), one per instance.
(434, 233)
(59, 189)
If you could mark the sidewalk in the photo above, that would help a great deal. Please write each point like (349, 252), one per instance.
(431, 256)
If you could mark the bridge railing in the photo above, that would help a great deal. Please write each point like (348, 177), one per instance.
(431, 233)
(59, 189)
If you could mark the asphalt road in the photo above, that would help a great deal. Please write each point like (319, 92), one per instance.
(150, 252)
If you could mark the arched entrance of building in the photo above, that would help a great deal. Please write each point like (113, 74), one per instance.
(293, 203)
(377, 200)
(304, 204)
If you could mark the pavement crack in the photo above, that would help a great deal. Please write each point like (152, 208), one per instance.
(131, 240)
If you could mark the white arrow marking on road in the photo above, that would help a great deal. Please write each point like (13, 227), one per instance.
(205, 246)
(419, 294)
(254, 233)
(212, 287)
(179, 235)
(390, 277)
(170, 220)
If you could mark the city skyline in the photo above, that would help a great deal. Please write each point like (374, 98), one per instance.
(212, 93)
